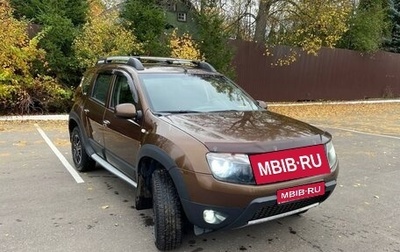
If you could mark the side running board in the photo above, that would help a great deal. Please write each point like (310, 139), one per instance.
(112, 169)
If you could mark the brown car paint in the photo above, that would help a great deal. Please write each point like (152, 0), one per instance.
(186, 139)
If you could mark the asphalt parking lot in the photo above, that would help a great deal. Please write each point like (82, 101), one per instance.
(43, 207)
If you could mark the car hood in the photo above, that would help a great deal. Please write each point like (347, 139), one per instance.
(247, 132)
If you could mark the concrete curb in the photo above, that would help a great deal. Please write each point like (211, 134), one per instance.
(333, 103)
(65, 117)
(35, 118)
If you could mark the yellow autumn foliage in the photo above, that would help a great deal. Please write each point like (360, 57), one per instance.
(319, 23)
(103, 35)
(21, 89)
(310, 25)
(17, 51)
(184, 47)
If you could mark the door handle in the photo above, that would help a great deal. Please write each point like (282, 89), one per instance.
(106, 123)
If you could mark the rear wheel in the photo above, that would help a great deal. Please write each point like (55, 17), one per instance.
(81, 159)
(167, 212)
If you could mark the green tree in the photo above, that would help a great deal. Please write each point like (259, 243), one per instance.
(147, 21)
(60, 21)
(213, 39)
(75, 10)
(368, 27)
(392, 43)
(59, 34)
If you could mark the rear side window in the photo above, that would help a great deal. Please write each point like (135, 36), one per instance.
(100, 88)
(86, 81)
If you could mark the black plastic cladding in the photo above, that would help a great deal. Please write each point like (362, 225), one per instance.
(136, 62)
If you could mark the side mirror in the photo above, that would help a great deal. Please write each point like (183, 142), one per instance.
(125, 110)
(262, 104)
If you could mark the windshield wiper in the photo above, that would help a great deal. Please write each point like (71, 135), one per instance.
(226, 110)
(179, 112)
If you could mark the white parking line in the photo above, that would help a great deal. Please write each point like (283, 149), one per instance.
(60, 156)
(359, 132)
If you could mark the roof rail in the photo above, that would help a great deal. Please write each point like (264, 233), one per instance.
(129, 60)
(171, 61)
(137, 62)
(206, 66)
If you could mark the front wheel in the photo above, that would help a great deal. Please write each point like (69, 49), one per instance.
(167, 212)
(81, 159)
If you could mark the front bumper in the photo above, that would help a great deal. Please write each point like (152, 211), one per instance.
(259, 210)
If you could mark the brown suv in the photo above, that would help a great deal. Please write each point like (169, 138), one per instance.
(196, 147)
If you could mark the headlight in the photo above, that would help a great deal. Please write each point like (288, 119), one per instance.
(331, 154)
(231, 167)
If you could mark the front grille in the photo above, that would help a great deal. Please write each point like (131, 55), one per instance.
(267, 211)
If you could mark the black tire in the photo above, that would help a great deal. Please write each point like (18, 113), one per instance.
(167, 211)
(81, 159)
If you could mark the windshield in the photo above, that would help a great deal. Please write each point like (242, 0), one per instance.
(184, 93)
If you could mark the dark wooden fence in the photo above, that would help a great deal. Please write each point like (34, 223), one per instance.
(335, 74)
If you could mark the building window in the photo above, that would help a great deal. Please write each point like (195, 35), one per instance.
(181, 16)
(171, 6)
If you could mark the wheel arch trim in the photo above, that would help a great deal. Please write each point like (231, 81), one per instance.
(158, 154)
(73, 117)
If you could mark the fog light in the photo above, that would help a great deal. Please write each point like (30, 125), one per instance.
(213, 217)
